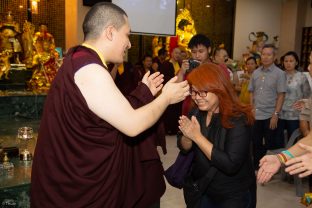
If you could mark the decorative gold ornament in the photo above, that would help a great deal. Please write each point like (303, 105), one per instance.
(185, 28)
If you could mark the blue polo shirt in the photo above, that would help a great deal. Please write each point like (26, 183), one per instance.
(265, 84)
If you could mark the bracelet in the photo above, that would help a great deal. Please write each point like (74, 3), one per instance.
(284, 157)
(280, 158)
(288, 153)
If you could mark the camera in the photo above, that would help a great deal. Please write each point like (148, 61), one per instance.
(193, 64)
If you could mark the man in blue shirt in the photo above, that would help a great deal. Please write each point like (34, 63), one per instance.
(267, 87)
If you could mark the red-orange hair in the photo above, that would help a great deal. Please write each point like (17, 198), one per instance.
(210, 77)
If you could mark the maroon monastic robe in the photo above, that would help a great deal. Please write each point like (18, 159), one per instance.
(173, 112)
(81, 160)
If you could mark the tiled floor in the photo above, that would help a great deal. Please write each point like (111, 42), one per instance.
(275, 194)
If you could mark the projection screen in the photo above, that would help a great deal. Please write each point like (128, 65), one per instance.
(150, 17)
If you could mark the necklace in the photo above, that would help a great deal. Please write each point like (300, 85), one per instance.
(290, 77)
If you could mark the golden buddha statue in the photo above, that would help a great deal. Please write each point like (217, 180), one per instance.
(45, 65)
(184, 33)
(9, 44)
(5, 64)
(9, 22)
(185, 28)
(43, 35)
(27, 42)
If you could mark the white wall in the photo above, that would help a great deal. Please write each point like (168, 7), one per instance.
(254, 16)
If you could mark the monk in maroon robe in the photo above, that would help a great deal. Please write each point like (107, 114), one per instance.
(84, 155)
(147, 141)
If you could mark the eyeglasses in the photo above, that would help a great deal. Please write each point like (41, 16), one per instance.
(200, 93)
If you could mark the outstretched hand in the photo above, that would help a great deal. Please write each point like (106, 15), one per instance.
(301, 164)
(175, 92)
(269, 165)
(153, 81)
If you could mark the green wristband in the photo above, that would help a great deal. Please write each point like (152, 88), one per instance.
(288, 153)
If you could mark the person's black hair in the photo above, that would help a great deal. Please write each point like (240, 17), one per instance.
(251, 58)
(162, 51)
(216, 50)
(199, 39)
(147, 55)
(294, 54)
(140, 61)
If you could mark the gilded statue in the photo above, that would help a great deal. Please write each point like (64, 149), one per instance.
(258, 40)
(45, 65)
(43, 35)
(184, 33)
(9, 44)
(44, 60)
(27, 42)
(5, 64)
(9, 22)
(185, 30)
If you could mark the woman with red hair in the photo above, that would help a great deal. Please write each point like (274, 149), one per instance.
(218, 133)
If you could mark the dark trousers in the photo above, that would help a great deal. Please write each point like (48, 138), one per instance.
(265, 139)
(289, 125)
(171, 117)
(244, 199)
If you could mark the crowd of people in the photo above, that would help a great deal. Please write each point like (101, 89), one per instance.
(104, 118)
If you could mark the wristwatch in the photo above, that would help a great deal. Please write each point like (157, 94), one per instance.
(276, 113)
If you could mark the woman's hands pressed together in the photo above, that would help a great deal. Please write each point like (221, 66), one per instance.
(190, 127)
